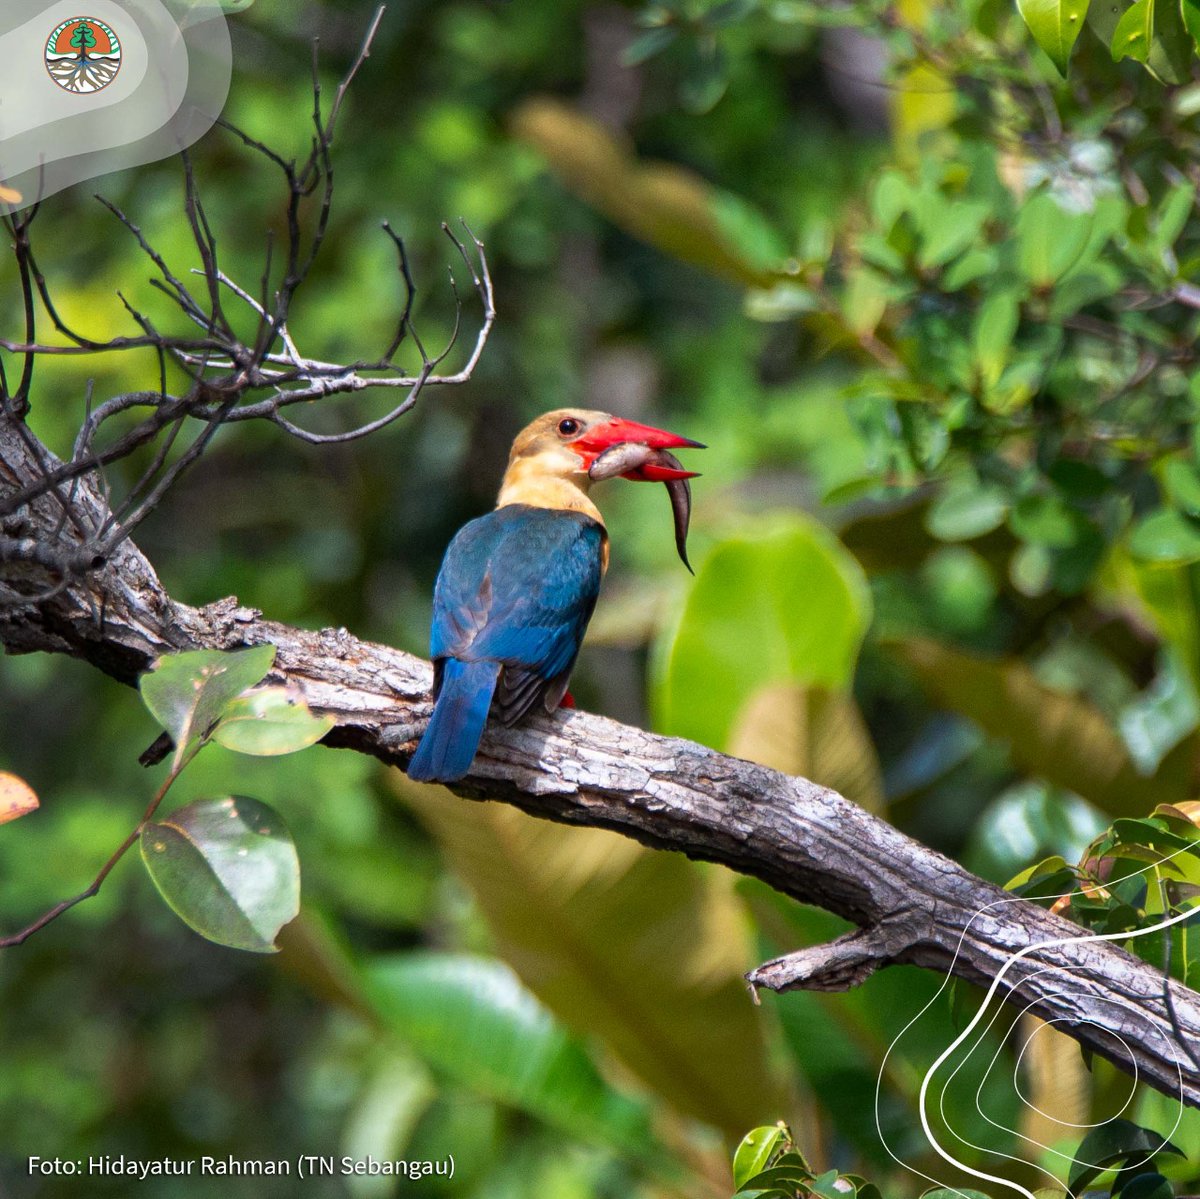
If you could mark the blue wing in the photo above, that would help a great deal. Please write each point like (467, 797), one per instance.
(517, 587)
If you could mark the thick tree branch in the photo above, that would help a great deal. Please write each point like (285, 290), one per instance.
(911, 904)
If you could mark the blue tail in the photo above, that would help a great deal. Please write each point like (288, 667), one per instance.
(448, 747)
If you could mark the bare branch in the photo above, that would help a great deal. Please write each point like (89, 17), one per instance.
(233, 377)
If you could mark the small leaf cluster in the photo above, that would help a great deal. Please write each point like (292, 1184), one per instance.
(226, 866)
(1135, 876)
(767, 1165)
(1162, 34)
(691, 34)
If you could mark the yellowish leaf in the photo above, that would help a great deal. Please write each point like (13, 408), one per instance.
(1056, 1086)
(811, 732)
(16, 797)
(665, 205)
(1059, 737)
(643, 950)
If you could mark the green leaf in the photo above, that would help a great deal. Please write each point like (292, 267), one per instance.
(1171, 48)
(567, 908)
(785, 1180)
(1102, 19)
(471, 1017)
(1113, 1142)
(705, 79)
(966, 509)
(826, 1186)
(1166, 536)
(1060, 737)
(270, 721)
(1166, 594)
(785, 603)
(648, 44)
(1045, 520)
(1175, 209)
(995, 327)
(1134, 32)
(1146, 1186)
(865, 299)
(752, 1155)
(947, 226)
(1050, 240)
(1181, 480)
(1158, 719)
(228, 868)
(1048, 868)
(1055, 24)
(1190, 11)
(188, 693)
(977, 262)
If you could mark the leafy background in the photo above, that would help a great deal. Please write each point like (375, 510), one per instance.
(933, 309)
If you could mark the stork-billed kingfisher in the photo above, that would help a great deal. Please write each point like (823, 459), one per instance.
(517, 587)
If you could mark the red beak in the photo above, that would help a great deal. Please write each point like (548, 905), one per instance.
(617, 431)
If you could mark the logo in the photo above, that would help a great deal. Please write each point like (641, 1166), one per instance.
(83, 55)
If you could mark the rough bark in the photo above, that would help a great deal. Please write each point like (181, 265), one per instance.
(911, 904)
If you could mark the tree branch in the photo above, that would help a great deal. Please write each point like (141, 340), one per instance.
(911, 904)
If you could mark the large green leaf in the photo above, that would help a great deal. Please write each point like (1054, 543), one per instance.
(1055, 24)
(228, 868)
(187, 693)
(472, 1018)
(270, 721)
(787, 603)
(644, 950)
(1057, 736)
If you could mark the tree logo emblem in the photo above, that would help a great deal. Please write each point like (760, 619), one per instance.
(83, 55)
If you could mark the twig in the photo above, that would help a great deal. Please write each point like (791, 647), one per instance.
(93, 888)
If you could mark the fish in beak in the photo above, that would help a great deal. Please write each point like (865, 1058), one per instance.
(644, 463)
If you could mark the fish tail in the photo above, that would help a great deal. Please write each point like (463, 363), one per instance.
(448, 746)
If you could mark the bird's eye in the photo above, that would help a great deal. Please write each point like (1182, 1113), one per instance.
(568, 427)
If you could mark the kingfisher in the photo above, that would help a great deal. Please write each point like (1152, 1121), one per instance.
(517, 586)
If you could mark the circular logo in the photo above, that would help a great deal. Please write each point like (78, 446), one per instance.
(83, 55)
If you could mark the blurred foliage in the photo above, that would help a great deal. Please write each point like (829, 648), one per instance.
(935, 310)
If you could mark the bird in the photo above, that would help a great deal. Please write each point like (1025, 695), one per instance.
(517, 586)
